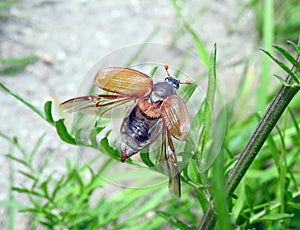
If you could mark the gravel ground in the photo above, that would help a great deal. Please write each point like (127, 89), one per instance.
(71, 36)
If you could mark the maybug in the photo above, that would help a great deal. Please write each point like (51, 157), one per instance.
(157, 110)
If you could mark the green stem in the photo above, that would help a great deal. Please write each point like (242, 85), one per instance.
(268, 37)
(265, 126)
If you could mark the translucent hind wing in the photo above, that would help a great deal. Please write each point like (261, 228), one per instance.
(170, 164)
(98, 104)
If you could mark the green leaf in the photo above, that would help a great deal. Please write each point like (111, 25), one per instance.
(283, 81)
(148, 205)
(294, 205)
(273, 217)
(44, 187)
(209, 103)
(93, 136)
(48, 112)
(14, 65)
(6, 4)
(283, 66)
(27, 191)
(78, 179)
(295, 46)
(274, 150)
(250, 196)
(218, 191)
(173, 220)
(193, 171)
(188, 91)
(36, 146)
(18, 97)
(146, 158)
(28, 175)
(289, 57)
(63, 132)
(141, 48)
(202, 52)
(153, 71)
(115, 154)
(198, 120)
(58, 186)
(17, 160)
(295, 123)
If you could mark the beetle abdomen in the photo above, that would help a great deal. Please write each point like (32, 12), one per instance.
(138, 126)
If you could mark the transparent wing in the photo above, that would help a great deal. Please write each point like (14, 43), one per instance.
(124, 81)
(169, 163)
(97, 104)
(175, 117)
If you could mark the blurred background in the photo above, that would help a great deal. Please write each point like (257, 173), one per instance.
(47, 47)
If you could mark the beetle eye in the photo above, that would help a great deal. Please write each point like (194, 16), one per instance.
(172, 81)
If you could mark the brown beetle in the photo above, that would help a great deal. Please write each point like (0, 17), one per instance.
(157, 110)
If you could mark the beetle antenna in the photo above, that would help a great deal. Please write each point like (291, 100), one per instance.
(185, 82)
(166, 68)
(180, 82)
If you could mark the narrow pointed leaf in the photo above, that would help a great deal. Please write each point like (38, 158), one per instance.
(283, 81)
(48, 112)
(146, 158)
(115, 154)
(19, 98)
(153, 71)
(296, 48)
(289, 57)
(209, 103)
(273, 217)
(283, 66)
(17, 160)
(28, 175)
(63, 132)
(173, 220)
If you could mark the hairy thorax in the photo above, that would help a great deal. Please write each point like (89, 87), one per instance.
(150, 109)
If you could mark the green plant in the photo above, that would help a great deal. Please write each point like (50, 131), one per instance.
(71, 192)
(14, 65)
(285, 20)
(5, 4)
(260, 193)
(277, 107)
(77, 213)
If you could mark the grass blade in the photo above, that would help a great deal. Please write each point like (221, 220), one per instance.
(202, 52)
(209, 104)
(283, 66)
(268, 37)
(6, 4)
(295, 46)
(296, 125)
(19, 98)
(289, 57)
(173, 220)
(139, 51)
(14, 65)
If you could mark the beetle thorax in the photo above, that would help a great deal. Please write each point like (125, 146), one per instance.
(161, 91)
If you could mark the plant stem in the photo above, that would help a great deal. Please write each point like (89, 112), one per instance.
(268, 37)
(265, 126)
